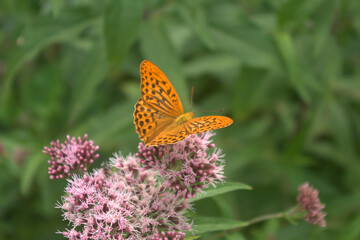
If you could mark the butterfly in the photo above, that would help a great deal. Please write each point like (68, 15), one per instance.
(159, 117)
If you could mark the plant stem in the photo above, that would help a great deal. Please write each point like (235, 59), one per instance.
(265, 217)
(250, 222)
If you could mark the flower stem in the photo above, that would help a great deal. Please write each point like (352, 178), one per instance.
(265, 217)
(251, 222)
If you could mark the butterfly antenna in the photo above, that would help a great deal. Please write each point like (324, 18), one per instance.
(217, 110)
(192, 96)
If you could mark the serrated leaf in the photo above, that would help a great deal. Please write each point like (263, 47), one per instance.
(208, 224)
(121, 24)
(220, 189)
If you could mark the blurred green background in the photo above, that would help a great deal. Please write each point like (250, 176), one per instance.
(286, 71)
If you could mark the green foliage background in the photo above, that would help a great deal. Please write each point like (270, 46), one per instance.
(286, 71)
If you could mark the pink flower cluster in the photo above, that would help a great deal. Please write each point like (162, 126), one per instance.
(72, 156)
(308, 200)
(186, 165)
(169, 236)
(137, 197)
(123, 201)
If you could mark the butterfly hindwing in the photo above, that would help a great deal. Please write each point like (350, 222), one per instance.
(148, 121)
(193, 126)
(207, 123)
(144, 119)
(158, 92)
(169, 136)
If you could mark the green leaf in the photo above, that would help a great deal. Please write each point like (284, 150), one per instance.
(192, 237)
(249, 44)
(287, 51)
(221, 189)
(296, 144)
(56, 6)
(121, 24)
(351, 231)
(226, 208)
(33, 163)
(339, 124)
(104, 125)
(349, 88)
(194, 15)
(208, 224)
(295, 11)
(329, 62)
(87, 80)
(235, 236)
(38, 35)
(43, 104)
(324, 19)
(211, 63)
(249, 91)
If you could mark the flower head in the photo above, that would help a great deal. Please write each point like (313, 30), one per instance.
(308, 200)
(122, 201)
(71, 156)
(186, 165)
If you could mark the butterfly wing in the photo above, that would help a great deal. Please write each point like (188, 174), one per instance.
(196, 125)
(158, 92)
(207, 123)
(169, 136)
(158, 108)
(149, 122)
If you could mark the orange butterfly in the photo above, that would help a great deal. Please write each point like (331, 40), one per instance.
(159, 116)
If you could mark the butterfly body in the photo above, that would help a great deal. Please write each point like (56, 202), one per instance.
(183, 118)
(159, 117)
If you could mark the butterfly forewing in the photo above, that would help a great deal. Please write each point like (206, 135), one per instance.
(157, 91)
